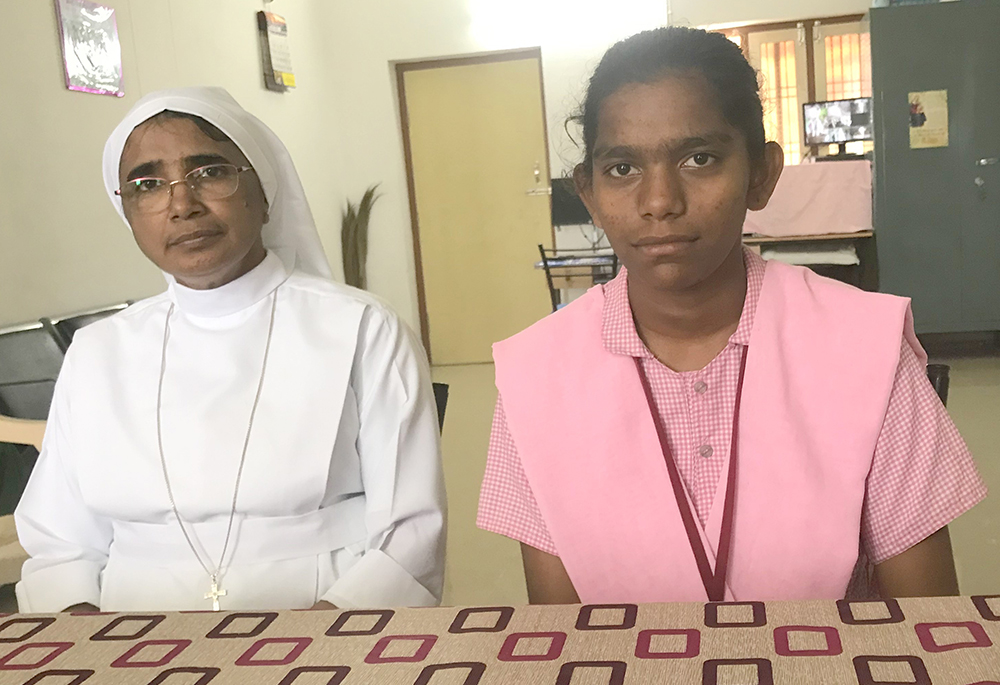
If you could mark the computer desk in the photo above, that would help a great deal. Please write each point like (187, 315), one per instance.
(864, 275)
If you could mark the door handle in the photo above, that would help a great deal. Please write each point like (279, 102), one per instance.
(988, 161)
(539, 189)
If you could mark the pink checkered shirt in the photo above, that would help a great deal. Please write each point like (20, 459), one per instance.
(922, 475)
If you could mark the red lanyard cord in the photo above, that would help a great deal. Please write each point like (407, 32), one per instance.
(715, 583)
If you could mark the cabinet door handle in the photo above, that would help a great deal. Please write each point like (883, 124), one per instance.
(988, 161)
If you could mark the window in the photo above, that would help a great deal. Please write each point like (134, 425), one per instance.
(806, 61)
(780, 97)
(848, 66)
(848, 59)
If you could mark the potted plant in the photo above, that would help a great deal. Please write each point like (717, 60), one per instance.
(354, 238)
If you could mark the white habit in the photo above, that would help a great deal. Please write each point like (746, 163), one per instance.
(342, 496)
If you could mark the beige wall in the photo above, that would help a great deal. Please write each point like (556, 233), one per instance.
(62, 246)
(706, 12)
(367, 37)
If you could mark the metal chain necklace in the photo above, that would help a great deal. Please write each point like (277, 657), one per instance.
(215, 591)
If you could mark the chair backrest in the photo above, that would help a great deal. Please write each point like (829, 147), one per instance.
(939, 378)
(68, 326)
(30, 359)
(441, 400)
(573, 268)
(553, 292)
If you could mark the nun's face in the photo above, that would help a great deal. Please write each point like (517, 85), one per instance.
(202, 242)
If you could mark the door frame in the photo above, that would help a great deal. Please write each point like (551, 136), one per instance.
(404, 120)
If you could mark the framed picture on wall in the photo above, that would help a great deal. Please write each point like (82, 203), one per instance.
(92, 53)
(278, 74)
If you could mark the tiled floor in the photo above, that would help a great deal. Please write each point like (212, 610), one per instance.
(974, 404)
(485, 569)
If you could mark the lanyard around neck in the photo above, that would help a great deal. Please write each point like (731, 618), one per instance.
(714, 582)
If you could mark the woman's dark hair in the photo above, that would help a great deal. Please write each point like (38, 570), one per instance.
(646, 56)
(208, 128)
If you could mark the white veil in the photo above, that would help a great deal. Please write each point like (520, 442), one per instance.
(291, 228)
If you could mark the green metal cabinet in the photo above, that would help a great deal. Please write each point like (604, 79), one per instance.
(937, 211)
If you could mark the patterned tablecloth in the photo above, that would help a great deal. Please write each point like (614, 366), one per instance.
(939, 641)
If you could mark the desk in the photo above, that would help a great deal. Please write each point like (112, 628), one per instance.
(576, 271)
(922, 641)
(754, 239)
(864, 275)
(565, 262)
(576, 280)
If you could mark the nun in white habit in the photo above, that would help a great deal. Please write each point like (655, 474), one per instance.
(257, 436)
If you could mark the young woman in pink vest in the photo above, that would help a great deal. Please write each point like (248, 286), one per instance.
(708, 425)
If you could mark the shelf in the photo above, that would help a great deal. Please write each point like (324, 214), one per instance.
(751, 239)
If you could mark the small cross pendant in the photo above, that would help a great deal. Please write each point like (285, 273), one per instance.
(214, 593)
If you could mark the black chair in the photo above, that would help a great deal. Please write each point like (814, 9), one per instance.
(575, 268)
(938, 376)
(441, 400)
(16, 463)
(68, 326)
(30, 359)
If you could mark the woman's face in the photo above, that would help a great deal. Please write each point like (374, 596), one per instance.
(202, 243)
(672, 180)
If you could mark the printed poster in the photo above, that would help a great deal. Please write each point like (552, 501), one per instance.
(929, 119)
(278, 74)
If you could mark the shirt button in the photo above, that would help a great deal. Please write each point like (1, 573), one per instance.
(706, 451)
(701, 387)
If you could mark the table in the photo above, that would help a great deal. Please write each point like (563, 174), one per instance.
(564, 262)
(920, 641)
(576, 279)
(756, 239)
(864, 275)
(576, 269)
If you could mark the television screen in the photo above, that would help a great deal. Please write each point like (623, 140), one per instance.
(838, 121)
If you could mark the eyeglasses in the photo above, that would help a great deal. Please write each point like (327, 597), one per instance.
(149, 195)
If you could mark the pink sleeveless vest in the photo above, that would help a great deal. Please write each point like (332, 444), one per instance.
(821, 365)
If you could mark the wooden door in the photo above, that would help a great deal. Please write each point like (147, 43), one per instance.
(477, 161)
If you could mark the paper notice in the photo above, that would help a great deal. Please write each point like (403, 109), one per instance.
(929, 119)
